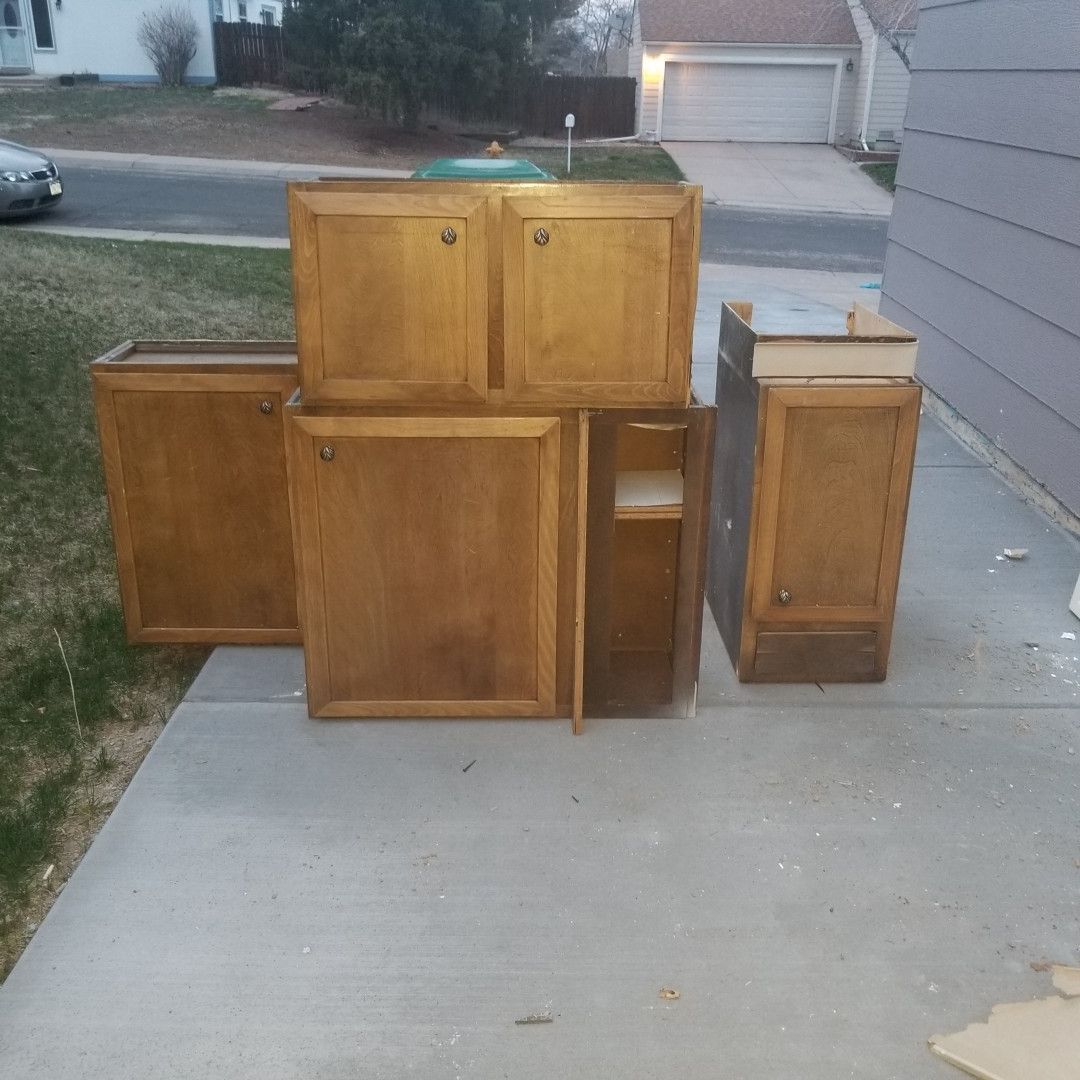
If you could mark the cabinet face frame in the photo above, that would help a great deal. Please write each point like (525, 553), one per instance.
(306, 433)
(123, 371)
(905, 401)
(306, 206)
(682, 208)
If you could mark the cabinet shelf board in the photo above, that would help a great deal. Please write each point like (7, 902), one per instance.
(660, 489)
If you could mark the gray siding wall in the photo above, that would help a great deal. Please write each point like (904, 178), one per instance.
(983, 260)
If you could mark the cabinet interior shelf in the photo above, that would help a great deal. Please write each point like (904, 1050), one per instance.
(649, 494)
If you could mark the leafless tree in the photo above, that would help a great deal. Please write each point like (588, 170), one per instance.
(892, 20)
(600, 22)
(169, 37)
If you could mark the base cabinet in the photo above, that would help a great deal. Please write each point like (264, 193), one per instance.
(808, 528)
(194, 458)
(428, 553)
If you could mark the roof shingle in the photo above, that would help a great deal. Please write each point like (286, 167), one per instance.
(786, 22)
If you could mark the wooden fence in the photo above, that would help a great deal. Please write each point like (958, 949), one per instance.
(246, 53)
(537, 105)
(602, 105)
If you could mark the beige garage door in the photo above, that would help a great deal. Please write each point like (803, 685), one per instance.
(747, 102)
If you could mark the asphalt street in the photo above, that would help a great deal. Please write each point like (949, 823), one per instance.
(235, 206)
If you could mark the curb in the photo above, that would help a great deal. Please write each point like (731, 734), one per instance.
(797, 209)
(157, 163)
(139, 235)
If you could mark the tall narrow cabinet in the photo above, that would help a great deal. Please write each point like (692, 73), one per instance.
(810, 497)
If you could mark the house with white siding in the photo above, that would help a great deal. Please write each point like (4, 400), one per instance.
(816, 71)
(99, 37)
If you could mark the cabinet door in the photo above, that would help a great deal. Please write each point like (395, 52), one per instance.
(599, 297)
(391, 295)
(195, 470)
(835, 478)
(428, 558)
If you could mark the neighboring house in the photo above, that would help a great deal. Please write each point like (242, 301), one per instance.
(984, 245)
(267, 12)
(64, 37)
(767, 71)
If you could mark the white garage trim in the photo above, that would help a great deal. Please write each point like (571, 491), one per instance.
(762, 61)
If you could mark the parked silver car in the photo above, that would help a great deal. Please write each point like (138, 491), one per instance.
(29, 181)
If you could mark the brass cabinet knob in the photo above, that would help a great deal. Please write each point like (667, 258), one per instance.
(327, 453)
(449, 236)
(266, 407)
(541, 236)
(784, 596)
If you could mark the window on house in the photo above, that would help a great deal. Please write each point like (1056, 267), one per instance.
(267, 16)
(43, 31)
(241, 10)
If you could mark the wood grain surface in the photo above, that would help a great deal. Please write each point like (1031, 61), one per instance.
(429, 555)
(195, 473)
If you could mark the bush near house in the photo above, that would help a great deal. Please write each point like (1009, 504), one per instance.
(169, 36)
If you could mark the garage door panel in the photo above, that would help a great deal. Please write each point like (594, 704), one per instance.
(747, 102)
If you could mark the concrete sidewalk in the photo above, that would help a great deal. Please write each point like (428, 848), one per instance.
(159, 163)
(786, 178)
(827, 876)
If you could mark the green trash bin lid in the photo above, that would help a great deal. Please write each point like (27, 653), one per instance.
(481, 169)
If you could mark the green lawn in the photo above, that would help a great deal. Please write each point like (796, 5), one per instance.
(883, 173)
(610, 162)
(65, 301)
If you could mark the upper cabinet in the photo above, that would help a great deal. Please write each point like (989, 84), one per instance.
(391, 294)
(429, 292)
(599, 291)
(193, 449)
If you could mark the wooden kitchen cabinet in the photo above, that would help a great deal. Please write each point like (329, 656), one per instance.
(435, 292)
(194, 459)
(807, 530)
(488, 496)
(599, 295)
(390, 292)
(428, 548)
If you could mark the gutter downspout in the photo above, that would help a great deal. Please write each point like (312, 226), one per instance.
(869, 92)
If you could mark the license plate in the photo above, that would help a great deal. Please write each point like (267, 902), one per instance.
(55, 187)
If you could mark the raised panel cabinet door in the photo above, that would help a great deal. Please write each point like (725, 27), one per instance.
(599, 292)
(391, 295)
(195, 472)
(836, 474)
(428, 562)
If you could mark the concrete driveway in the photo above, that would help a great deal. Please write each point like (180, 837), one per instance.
(827, 875)
(782, 176)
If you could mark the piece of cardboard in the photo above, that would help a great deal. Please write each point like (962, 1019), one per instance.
(1066, 979)
(1021, 1041)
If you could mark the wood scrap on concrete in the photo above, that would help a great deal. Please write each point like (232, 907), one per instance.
(1022, 1040)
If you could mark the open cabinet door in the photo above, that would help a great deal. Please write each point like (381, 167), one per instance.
(428, 552)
